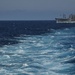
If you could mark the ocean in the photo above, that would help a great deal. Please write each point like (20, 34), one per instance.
(37, 48)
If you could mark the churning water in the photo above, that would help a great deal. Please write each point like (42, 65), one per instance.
(52, 53)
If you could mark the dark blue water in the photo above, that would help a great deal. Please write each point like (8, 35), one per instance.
(37, 48)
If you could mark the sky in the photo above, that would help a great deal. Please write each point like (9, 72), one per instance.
(35, 9)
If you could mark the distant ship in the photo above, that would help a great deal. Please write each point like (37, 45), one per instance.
(70, 19)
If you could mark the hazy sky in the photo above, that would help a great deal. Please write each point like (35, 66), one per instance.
(35, 9)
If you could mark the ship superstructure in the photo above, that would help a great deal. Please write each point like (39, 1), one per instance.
(70, 19)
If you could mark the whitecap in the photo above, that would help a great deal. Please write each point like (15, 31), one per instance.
(6, 56)
(52, 36)
(72, 49)
(39, 45)
(20, 51)
(25, 65)
(58, 33)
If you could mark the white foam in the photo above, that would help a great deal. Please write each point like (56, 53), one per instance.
(44, 50)
(72, 49)
(39, 45)
(2, 51)
(25, 65)
(20, 51)
(58, 33)
(23, 71)
(6, 56)
(52, 36)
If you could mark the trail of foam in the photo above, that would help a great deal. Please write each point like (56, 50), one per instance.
(47, 54)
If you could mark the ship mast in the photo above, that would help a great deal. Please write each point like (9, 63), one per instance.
(64, 16)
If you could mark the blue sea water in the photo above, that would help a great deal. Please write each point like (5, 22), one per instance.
(37, 48)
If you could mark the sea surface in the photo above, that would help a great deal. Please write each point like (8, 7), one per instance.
(37, 48)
